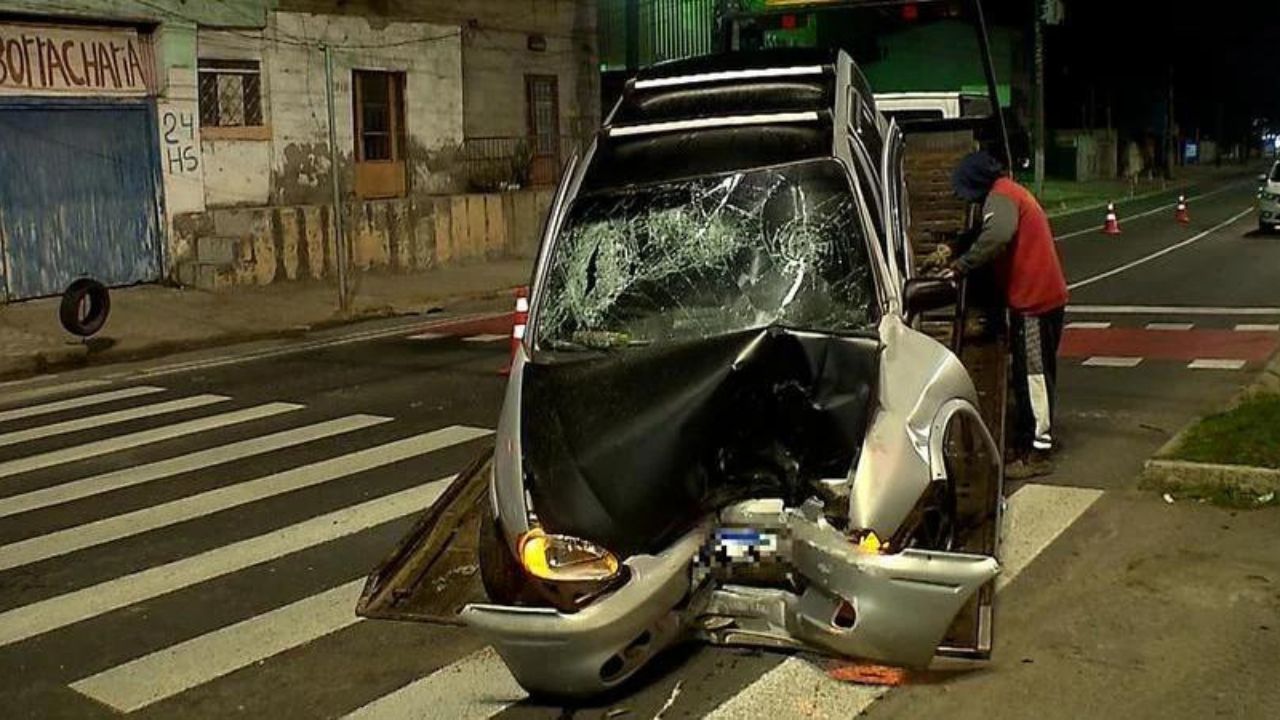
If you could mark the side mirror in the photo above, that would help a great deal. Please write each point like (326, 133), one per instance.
(922, 295)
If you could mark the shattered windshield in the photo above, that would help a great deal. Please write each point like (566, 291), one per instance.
(709, 256)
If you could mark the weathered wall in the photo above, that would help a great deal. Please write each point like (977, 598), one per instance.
(296, 79)
(496, 53)
(260, 246)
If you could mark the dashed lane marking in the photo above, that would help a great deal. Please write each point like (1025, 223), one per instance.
(1211, 364)
(484, 338)
(1168, 326)
(1113, 362)
(1088, 325)
(1247, 327)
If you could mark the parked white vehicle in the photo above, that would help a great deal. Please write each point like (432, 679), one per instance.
(1269, 199)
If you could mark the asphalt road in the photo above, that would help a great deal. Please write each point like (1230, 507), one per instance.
(185, 538)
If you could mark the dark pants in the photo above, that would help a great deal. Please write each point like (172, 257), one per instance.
(1035, 340)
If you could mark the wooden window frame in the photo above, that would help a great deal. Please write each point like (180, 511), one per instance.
(388, 177)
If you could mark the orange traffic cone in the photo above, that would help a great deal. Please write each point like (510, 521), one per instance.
(519, 323)
(1181, 214)
(1112, 226)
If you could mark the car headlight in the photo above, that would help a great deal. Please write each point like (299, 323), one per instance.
(1271, 197)
(561, 558)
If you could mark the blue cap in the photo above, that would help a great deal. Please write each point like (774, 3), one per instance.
(975, 175)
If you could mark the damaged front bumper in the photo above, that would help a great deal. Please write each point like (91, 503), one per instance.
(891, 608)
(603, 644)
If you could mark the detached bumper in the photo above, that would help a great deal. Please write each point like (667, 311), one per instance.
(597, 648)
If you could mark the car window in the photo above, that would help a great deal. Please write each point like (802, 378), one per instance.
(710, 256)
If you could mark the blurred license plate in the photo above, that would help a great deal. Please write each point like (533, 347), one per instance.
(729, 546)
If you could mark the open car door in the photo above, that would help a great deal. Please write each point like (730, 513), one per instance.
(435, 571)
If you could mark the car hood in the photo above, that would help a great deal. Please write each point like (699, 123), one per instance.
(631, 448)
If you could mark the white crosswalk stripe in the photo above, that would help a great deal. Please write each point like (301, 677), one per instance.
(45, 616)
(127, 525)
(113, 418)
(161, 469)
(1037, 515)
(78, 402)
(146, 437)
(176, 669)
(474, 688)
(14, 397)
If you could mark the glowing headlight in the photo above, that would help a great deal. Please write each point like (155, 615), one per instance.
(565, 559)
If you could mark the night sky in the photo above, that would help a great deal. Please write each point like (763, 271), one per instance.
(1225, 60)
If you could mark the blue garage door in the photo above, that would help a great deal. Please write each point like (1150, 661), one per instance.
(77, 196)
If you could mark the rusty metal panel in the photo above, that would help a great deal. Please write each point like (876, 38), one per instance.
(78, 195)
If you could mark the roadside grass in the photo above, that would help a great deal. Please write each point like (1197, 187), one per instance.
(1248, 434)
(1063, 196)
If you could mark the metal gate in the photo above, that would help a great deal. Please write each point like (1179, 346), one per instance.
(78, 195)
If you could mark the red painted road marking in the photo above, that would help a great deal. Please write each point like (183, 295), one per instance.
(499, 325)
(1164, 345)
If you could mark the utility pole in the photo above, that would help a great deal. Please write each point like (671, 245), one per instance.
(1038, 100)
(339, 236)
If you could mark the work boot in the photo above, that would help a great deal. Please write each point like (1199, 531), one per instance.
(1032, 465)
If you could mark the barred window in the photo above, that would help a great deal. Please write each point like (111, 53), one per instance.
(230, 93)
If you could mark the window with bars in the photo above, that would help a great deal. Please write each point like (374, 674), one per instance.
(543, 98)
(230, 93)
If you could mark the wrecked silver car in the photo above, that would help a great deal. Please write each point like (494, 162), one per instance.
(724, 422)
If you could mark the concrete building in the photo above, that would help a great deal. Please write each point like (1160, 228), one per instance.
(199, 134)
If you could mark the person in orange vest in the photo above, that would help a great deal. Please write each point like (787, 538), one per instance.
(1016, 239)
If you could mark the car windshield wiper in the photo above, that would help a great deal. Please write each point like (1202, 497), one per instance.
(594, 343)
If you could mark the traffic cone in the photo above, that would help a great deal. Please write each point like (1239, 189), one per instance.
(1112, 227)
(1181, 214)
(519, 323)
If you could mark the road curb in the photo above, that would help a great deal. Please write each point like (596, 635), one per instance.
(1162, 473)
(1180, 475)
(80, 355)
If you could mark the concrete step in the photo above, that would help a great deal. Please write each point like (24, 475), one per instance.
(203, 275)
(217, 249)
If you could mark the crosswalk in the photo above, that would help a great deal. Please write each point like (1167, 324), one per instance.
(1193, 344)
(85, 448)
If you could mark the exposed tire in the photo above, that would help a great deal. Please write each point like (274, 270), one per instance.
(85, 307)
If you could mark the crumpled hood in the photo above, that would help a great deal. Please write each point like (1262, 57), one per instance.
(631, 448)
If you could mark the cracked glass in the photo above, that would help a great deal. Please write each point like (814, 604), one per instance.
(710, 256)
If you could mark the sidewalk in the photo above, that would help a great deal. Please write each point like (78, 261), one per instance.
(1065, 197)
(151, 320)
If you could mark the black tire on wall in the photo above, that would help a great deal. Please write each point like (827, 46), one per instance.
(94, 316)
